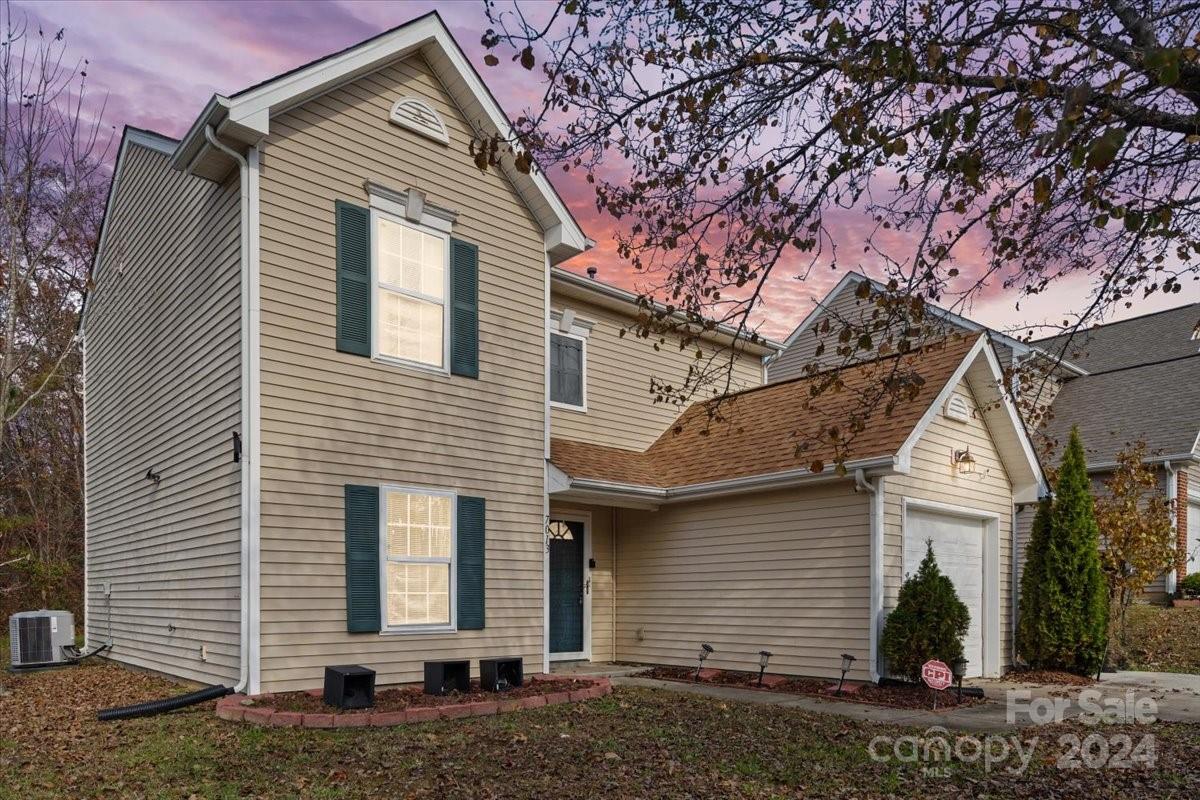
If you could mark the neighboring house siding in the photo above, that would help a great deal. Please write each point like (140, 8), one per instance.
(163, 393)
(932, 478)
(330, 419)
(786, 571)
(602, 577)
(844, 307)
(621, 411)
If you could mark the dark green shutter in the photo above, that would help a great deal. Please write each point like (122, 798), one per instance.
(464, 309)
(471, 545)
(362, 559)
(353, 233)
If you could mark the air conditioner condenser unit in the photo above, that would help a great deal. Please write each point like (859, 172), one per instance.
(41, 638)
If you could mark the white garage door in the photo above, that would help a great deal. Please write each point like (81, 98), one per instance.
(958, 548)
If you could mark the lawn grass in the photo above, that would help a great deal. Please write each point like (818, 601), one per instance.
(631, 744)
(1163, 639)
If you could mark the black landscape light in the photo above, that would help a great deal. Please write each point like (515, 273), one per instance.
(847, 662)
(958, 668)
(705, 652)
(763, 657)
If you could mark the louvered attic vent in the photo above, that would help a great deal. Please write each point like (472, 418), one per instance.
(418, 116)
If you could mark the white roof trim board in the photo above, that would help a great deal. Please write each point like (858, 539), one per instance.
(1018, 347)
(982, 371)
(246, 116)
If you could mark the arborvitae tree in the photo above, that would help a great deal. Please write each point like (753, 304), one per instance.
(1033, 633)
(929, 621)
(1064, 626)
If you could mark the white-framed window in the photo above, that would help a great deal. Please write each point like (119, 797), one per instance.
(417, 559)
(568, 371)
(410, 267)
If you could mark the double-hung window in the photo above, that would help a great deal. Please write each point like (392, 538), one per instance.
(418, 544)
(411, 271)
(567, 368)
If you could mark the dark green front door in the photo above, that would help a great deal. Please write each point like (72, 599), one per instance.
(566, 586)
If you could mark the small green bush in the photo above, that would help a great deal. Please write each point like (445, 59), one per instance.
(1190, 586)
(929, 621)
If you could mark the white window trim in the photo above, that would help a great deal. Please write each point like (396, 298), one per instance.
(583, 340)
(377, 214)
(393, 630)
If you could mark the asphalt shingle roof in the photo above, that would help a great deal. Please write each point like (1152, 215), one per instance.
(761, 428)
(1156, 403)
(1154, 337)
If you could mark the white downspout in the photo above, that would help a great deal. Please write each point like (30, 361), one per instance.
(1173, 494)
(1014, 589)
(244, 681)
(546, 475)
(874, 489)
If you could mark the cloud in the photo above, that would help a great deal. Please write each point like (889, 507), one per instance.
(155, 65)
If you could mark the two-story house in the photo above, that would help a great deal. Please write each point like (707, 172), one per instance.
(344, 406)
(1120, 383)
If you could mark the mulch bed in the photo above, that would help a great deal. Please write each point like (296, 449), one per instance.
(893, 695)
(1049, 677)
(406, 697)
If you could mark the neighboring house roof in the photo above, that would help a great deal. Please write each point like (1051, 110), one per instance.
(605, 294)
(245, 117)
(852, 279)
(1158, 403)
(761, 428)
(1161, 336)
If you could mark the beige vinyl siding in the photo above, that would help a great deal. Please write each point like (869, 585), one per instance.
(932, 478)
(603, 577)
(785, 571)
(330, 418)
(163, 393)
(621, 411)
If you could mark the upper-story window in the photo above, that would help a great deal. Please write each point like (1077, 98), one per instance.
(411, 273)
(568, 366)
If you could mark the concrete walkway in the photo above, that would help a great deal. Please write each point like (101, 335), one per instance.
(1161, 696)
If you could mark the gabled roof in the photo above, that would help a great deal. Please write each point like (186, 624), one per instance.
(852, 279)
(1157, 403)
(756, 441)
(245, 117)
(1150, 338)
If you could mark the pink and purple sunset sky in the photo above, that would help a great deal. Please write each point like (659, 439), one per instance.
(157, 63)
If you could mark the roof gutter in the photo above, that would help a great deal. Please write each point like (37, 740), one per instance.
(753, 483)
(1168, 461)
(763, 347)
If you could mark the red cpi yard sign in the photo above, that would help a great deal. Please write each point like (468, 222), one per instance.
(936, 675)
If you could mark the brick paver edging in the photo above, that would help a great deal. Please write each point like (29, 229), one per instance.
(231, 708)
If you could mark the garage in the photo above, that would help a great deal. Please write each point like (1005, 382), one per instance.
(961, 546)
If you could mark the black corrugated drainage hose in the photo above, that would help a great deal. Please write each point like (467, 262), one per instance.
(153, 707)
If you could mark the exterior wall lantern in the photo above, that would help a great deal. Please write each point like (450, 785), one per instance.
(963, 461)
(763, 657)
(847, 662)
(705, 651)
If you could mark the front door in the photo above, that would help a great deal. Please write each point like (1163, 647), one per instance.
(566, 587)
